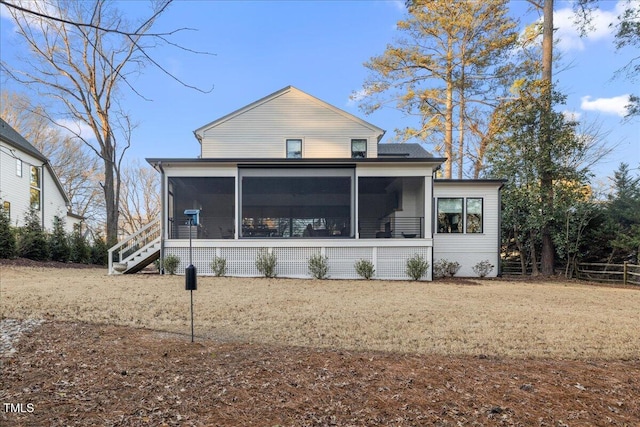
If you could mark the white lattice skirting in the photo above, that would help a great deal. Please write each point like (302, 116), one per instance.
(292, 261)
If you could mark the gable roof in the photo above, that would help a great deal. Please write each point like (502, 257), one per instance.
(11, 136)
(199, 132)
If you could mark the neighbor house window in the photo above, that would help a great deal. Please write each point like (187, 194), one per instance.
(35, 187)
(294, 148)
(474, 215)
(6, 207)
(450, 215)
(358, 148)
(18, 167)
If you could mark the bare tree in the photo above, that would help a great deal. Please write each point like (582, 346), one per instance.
(81, 54)
(77, 170)
(140, 197)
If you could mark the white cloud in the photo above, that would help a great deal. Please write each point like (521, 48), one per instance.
(615, 105)
(75, 128)
(567, 34)
(573, 116)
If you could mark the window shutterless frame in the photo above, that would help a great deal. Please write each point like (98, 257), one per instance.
(358, 148)
(294, 148)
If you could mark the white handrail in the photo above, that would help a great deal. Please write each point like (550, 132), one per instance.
(141, 235)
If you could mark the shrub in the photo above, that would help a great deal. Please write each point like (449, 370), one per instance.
(171, 263)
(319, 266)
(59, 241)
(417, 267)
(483, 268)
(364, 268)
(8, 247)
(443, 267)
(32, 242)
(218, 266)
(80, 249)
(266, 263)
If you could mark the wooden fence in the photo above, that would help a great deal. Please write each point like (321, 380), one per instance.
(627, 274)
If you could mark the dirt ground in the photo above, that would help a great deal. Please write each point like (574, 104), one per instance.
(70, 373)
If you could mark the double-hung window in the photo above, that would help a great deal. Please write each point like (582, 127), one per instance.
(35, 182)
(294, 148)
(18, 167)
(358, 148)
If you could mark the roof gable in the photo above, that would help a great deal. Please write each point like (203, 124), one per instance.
(274, 98)
(13, 138)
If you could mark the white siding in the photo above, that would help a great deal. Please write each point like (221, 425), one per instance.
(262, 131)
(16, 189)
(470, 248)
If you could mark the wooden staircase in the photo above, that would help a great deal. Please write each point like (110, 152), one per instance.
(137, 250)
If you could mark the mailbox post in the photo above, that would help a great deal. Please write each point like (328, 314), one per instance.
(190, 273)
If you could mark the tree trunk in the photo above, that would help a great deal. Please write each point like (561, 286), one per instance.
(534, 255)
(546, 180)
(448, 125)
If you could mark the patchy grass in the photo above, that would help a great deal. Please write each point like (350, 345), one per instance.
(566, 320)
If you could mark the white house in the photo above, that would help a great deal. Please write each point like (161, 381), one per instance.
(296, 176)
(27, 180)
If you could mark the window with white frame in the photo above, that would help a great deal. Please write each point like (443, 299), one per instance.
(294, 148)
(18, 167)
(358, 148)
(35, 181)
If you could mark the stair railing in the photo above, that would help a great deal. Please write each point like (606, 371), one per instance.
(134, 242)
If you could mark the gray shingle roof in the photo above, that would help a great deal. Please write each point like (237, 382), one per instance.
(408, 149)
(12, 137)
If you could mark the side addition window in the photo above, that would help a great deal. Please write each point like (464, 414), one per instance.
(450, 215)
(358, 148)
(6, 208)
(35, 187)
(294, 148)
(474, 215)
(18, 167)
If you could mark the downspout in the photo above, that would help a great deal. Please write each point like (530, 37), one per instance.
(499, 274)
(42, 194)
(162, 216)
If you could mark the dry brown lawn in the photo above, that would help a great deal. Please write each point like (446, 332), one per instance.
(116, 351)
(567, 320)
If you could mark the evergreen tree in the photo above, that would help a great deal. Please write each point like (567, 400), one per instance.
(80, 249)
(59, 241)
(32, 242)
(99, 250)
(7, 236)
(623, 212)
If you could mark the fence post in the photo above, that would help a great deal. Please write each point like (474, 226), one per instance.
(625, 269)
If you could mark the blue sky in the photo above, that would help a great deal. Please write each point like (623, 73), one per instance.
(260, 47)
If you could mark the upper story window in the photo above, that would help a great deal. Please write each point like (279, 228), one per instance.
(18, 167)
(34, 182)
(358, 148)
(294, 148)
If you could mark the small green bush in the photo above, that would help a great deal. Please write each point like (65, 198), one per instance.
(218, 266)
(483, 268)
(171, 263)
(80, 249)
(417, 267)
(266, 263)
(99, 250)
(319, 266)
(365, 269)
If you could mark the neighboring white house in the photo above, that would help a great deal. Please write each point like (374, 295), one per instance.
(27, 180)
(298, 177)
